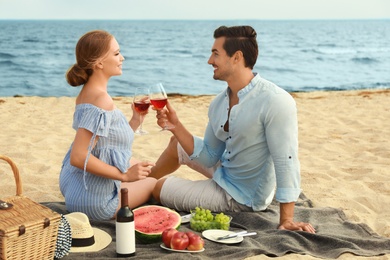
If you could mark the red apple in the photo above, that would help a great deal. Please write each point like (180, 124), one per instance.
(196, 243)
(179, 241)
(167, 236)
(190, 234)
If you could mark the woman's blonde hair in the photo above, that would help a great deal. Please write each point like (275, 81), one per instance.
(90, 48)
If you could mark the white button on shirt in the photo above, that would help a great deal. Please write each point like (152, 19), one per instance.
(260, 151)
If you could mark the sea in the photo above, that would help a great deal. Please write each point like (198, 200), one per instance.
(297, 55)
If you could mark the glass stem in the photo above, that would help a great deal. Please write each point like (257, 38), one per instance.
(141, 117)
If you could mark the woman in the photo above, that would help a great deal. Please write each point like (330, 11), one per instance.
(98, 163)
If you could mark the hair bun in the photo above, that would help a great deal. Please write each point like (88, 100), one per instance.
(76, 75)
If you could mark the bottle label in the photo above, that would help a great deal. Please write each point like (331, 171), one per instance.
(125, 237)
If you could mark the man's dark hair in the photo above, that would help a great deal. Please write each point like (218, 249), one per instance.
(239, 38)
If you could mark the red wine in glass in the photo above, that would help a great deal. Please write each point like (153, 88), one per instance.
(159, 103)
(159, 99)
(141, 106)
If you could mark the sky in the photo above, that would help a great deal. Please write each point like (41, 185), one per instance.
(194, 9)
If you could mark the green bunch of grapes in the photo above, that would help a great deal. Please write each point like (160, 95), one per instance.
(203, 219)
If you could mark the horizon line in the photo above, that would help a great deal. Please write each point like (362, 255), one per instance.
(185, 19)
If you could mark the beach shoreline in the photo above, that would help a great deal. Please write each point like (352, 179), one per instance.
(342, 147)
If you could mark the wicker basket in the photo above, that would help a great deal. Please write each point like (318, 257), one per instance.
(28, 230)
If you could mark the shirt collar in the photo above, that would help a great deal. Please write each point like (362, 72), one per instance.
(247, 88)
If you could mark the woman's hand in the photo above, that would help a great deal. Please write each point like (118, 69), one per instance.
(138, 171)
(137, 117)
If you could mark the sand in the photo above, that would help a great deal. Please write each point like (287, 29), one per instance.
(344, 148)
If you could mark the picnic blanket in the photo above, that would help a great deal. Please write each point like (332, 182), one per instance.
(335, 236)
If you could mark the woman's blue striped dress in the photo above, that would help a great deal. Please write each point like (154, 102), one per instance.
(96, 196)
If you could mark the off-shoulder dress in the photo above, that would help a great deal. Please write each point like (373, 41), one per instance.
(93, 195)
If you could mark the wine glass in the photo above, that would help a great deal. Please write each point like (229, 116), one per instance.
(141, 105)
(159, 98)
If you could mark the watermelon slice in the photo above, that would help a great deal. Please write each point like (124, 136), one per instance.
(151, 221)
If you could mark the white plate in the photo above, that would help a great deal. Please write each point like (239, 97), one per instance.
(185, 218)
(213, 234)
(181, 251)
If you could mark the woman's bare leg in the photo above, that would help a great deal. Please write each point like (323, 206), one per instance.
(139, 192)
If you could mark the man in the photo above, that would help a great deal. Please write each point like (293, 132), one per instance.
(250, 144)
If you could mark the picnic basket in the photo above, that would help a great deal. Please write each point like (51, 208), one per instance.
(28, 230)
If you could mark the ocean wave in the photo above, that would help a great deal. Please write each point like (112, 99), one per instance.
(33, 70)
(342, 87)
(330, 51)
(279, 70)
(183, 51)
(380, 85)
(35, 40)
(200, 56)
(364, 60)
(327, 45)
(7, 63)
(4, 55)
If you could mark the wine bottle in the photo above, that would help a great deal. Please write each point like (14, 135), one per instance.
(124, 228)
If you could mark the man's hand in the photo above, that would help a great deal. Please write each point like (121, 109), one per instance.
(300, 226)
(287, 222)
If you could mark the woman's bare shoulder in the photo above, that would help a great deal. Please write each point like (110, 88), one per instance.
(99, 99)
(104, 101)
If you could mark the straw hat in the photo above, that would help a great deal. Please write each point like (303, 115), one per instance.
(86, 238)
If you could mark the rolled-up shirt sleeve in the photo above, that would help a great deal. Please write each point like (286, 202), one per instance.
(208, 150)
(281, 126)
